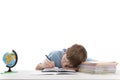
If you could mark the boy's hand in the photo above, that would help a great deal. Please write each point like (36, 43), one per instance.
(48, 64)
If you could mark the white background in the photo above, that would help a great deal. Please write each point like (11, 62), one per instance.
(33, 28)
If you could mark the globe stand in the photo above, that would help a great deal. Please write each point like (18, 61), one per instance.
(9, 70)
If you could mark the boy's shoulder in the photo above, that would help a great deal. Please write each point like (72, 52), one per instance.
(57, 52)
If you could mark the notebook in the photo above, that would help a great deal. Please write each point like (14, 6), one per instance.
(56, 69)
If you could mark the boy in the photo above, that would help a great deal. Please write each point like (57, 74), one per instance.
(69, 59)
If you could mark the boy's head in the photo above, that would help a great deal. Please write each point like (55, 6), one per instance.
(74, 56)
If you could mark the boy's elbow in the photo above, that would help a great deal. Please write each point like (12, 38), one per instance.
(36, 68)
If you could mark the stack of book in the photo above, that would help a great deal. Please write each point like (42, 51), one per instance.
(98, 67)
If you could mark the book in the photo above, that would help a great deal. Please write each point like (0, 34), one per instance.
(98, 67)
(56, 69)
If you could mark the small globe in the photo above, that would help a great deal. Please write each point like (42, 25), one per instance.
(10, 59)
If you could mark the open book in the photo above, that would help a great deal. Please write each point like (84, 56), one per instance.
(56, 69)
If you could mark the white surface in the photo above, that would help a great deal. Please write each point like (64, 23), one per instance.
(37, 75)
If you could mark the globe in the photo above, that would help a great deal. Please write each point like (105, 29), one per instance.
(10, 59)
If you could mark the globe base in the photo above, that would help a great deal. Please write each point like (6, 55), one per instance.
(9, 70)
